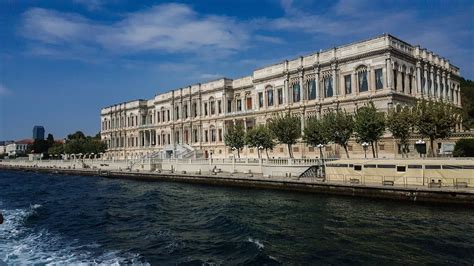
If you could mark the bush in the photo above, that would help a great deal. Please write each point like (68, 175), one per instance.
(464, 148)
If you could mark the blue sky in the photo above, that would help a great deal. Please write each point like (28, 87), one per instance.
(62, 61)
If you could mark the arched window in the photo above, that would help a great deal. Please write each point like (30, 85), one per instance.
(312, 89)
(328, 87)
(296, 92)
(269, 91)
(362, 78)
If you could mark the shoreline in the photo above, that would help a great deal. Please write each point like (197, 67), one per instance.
(462, 197)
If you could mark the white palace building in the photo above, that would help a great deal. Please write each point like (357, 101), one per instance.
(192, 121)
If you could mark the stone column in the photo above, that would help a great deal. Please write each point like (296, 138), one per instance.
(286, 91)
(303, 90)
(335, 84)
(443, 82)
(389, 71)
(399, 81)
(438, 84)
(425, 77)
(448, 87)
(318, 85)
(418, 78)
(371, 80)
(432, 94)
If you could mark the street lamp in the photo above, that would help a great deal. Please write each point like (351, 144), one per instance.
(320, 147)
(419, 146)
(365, 145)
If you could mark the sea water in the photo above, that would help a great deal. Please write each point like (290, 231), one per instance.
(58, 219)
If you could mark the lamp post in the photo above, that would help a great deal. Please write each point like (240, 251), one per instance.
(365, 145)
(320, 147)
(260, 149)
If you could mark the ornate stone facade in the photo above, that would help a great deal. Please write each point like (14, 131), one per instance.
(385, 70)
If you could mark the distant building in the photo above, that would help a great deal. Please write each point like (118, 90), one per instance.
(3, 146)
(38, 132)
(18, 147)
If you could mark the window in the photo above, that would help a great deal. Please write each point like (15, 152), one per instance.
(363, 84)
(280, 96)
(219, 107)
(219, 135)
(177, 112)
(403, 82)
(239, 105)
(205, 108)
(401, 168)
(195, 137)
(249, 103)
(357, 167)
(206, 137)
(213, 135)
(378, 79)
(229, 106)
(270, 97)
(348, 84)
(185, 110)
(296, 92)
(328, 87)
(312, 89)
(395, 79)
(168, 112)
(213, 107)
(382, 147)
(195, 111)
(260, 99)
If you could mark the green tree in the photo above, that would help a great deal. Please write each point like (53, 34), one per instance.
(316, 132)
(286, 129)
(260, 137)
(235, 137)
(57, 148)
(340, 126)
(467, 102)
(50, 140)
(369, 125)
(76, 135)
(435, 120)
(400, 124)
(464, 148)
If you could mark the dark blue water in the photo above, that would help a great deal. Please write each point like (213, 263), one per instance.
(73, 219)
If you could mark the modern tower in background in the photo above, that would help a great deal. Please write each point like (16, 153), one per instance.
(38, 132)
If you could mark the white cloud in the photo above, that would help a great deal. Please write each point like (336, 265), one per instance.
(162, 28)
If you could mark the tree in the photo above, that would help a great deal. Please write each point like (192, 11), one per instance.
(260, 137)
(57, 148)
(316, 132)
(340, 126)
(369, 125)
(235, 137)
(467, 102)
(286, 129)
(464, 148)
(50, 140)
(400, 124)
(76, 135)
(435, 120)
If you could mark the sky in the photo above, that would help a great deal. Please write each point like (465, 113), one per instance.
(62, 61)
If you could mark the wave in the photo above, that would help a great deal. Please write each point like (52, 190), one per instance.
(20, 244)
(256, 242)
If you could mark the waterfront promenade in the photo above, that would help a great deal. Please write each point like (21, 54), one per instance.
(407, 189)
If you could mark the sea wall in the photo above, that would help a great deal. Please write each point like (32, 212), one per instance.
(464, 197)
